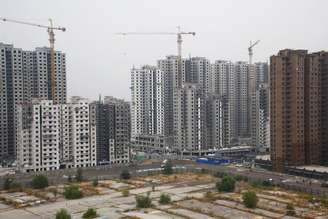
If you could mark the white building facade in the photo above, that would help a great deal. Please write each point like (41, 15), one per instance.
(52, 136)
(147, 108)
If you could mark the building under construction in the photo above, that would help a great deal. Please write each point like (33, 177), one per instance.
(25, 75)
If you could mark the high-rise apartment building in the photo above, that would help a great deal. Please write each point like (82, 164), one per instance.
(298, 93)
(231, 82)
(169, 68)
(224, 85)
(52, 136)
(113, 130)
(216, 122)
(38, 136)
(25, 75)
(82, 132)
(242, 89)
(198, 70)
(189, 118)
(147, 107)
(257, 83)
(262, 120)
(262, 73)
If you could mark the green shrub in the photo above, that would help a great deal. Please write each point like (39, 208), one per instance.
(7, 183)
(165, 199)
(90, 213)
(220, 174)
(40, 182)
(238, 178)
(11, 184)
(73, 192)
(290, 210)
(79, 175)
(267, 183)
(95, 182)
(16, 186)
(125, 174)
(125, 193)
(226, 185)
(63, 214)
(250, 199)
(143, 201)
(168, 170)
(257, 184)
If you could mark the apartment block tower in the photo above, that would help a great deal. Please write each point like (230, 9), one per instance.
(231, 82)
(198, 70)
(147, 110)
(242, 99)
(52, 136)
(113, 130)
(25, 75)
(262, 120)
(189, 118)
(258, 106)
(169, 68)
(216, 122)
(298, 93)
(38, 136)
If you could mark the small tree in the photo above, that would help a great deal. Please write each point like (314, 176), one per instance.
(79, 175)
(250, 199)
(290, 210)
(226, 185)
(165, 199)
(63, 214)
(40, 182)
(143, 201)
(168, 170)
(7, 183)
(125, 174)
(72, 192)
(90, 213)
(95, 182)
(16, 186)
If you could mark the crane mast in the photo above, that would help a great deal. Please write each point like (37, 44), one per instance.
(179, 34)
(250, 50)
(50, 30)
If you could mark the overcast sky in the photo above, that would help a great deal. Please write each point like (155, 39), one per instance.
(99, 62)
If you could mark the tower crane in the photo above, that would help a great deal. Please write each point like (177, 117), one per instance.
(250, 50)
(179, 34)
(50, 30)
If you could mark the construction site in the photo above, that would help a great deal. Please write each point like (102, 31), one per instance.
(192, 195)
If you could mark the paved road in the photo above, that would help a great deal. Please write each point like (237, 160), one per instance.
(295, 183)
(112, 172)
